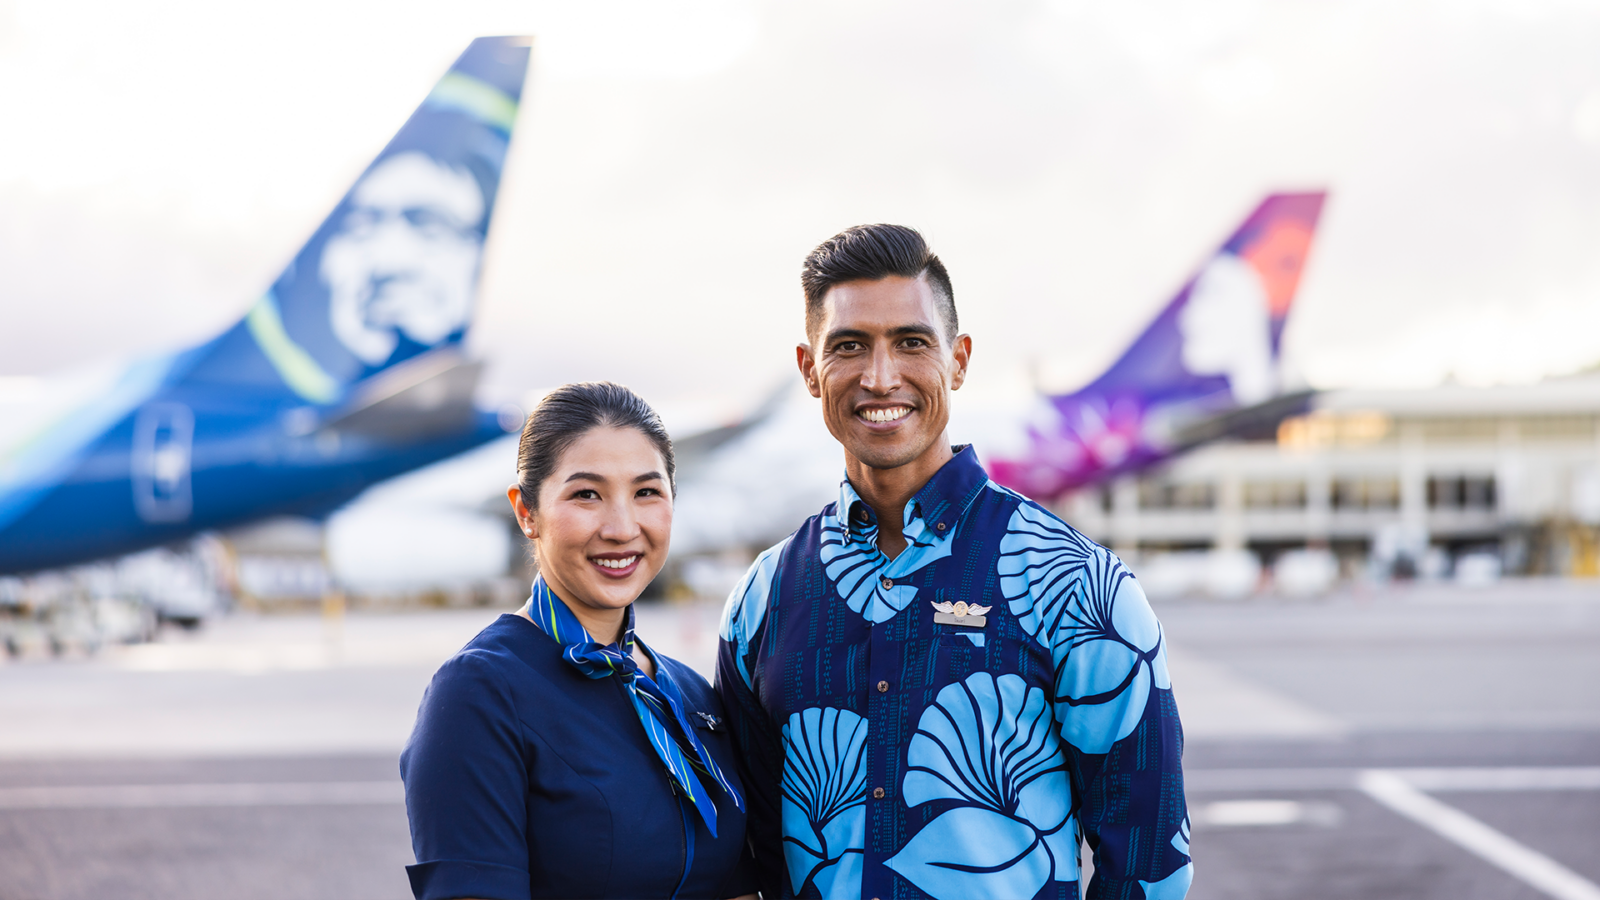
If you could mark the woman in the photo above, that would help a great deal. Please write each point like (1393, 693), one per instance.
(557, 755)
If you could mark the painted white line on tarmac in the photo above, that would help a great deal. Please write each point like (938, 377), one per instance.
(1264, 812)
(1392, 789)
(1544, 778)
(167, 796)
(1271, 779)
(1508, 778)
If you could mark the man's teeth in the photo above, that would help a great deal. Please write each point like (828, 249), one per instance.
(886, 415)
(622, 563)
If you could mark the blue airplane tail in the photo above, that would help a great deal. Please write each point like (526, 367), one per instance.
(346, 371)
(391, 274)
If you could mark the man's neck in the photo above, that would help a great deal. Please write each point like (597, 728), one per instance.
(888, 491)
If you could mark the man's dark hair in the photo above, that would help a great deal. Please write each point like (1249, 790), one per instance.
(868, 253)
(568, 413)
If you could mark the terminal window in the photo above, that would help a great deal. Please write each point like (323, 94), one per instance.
(1169, 495)
(1366, 493)
(1467, 492)
(1275, 494)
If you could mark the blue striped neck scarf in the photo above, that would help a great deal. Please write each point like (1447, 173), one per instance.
(656, 700)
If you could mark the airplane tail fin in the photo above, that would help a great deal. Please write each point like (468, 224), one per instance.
(1222, 334)
(392, 273)
(1215, 348)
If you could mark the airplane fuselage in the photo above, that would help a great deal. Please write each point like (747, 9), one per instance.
(137, 488)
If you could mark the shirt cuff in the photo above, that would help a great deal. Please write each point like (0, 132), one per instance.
(443, 879)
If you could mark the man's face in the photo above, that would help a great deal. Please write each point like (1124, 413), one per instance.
(884, 369)
(405, 258)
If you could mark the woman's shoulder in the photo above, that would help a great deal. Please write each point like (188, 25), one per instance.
(507, 631)
(509, 670)
(507, 644)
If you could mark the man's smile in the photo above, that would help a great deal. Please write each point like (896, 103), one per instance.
(883, 414)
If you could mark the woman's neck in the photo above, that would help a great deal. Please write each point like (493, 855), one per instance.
(604, 625)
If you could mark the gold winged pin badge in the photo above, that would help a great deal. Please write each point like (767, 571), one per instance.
(959, 613)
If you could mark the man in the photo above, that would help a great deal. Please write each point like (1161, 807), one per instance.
(935, 682)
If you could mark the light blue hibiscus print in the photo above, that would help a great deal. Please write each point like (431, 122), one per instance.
(1078, 599)
(1176, 885)
(989, 743)
(858, 568)
(824, 801)
(1172, 887)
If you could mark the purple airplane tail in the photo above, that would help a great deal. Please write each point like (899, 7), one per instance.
(1213, 349)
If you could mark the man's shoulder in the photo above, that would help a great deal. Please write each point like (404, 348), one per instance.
(746, 607)
(1033, 529)
(803, 540)
(747, 603)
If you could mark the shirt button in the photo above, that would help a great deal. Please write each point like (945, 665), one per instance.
(877, 793)
(888, 583)
(940, 526)
(883, 687)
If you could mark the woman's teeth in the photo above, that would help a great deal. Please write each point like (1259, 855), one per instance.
(622, 563)
(893, 414)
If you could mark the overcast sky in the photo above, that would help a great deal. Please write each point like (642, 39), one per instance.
(1072, 162)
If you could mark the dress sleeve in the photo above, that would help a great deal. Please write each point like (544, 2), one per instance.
(755, 742)
(1124, 739)
(467, 786)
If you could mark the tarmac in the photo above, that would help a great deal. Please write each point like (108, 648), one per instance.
(1411, 741)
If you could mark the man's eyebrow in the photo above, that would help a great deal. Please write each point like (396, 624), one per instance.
(856, 334)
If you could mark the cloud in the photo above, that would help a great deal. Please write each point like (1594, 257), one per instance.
(1072, 162)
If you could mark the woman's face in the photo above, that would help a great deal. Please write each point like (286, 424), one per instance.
(603, 523)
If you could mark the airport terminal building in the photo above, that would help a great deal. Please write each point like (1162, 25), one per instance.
(1398, 482)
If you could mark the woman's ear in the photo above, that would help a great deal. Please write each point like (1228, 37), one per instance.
(525, 519)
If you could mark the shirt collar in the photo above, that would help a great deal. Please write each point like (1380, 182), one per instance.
(933, 511)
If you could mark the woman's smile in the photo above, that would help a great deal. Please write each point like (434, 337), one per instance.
(616, 565)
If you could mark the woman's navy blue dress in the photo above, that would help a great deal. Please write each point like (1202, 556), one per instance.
(524, 779)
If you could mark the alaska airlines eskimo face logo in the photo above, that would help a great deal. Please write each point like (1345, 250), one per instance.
(405, 258)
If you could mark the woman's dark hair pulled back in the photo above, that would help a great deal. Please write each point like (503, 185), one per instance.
(569, 412)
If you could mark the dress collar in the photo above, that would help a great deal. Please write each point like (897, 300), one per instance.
(933, 511)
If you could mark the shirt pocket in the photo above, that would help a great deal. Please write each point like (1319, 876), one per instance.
(958, 651)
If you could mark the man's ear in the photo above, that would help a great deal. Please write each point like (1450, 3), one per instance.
(525, 519)
(962, 352)
(808, 368)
